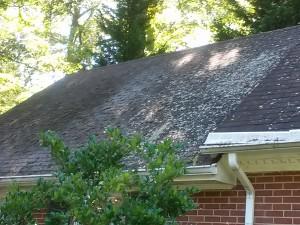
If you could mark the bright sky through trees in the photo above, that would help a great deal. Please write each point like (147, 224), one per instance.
(170, 14)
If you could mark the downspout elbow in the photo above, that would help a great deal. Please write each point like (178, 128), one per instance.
(250, 192)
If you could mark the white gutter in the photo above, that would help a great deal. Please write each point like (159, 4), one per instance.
(31, 179)
(26, 180)
(250, 192)
(27, 176)
(189, 170)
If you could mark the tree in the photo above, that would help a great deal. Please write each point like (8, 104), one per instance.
(226, 19)
(233, 18)
(31, 44)
(274, 14)
(83, 32)
(95, 187)
(126, 28)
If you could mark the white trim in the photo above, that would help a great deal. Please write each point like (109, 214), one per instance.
(27, 180)
(26, 176)
(252, 138)
(213, 149)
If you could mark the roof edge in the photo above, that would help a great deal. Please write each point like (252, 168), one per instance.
(26, 180)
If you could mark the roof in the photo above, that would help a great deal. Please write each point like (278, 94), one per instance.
(184, 95)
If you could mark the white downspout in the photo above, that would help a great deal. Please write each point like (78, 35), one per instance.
(250, 193)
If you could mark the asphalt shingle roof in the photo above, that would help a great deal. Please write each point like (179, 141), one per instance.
(252, 83)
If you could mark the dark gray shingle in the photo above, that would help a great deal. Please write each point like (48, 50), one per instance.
(183, 95)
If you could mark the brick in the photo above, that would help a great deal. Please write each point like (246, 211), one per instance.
(291, 199)
(220, 200)
(237, 213)
(291, 186)
(242, 193)
(273, 199)
(282, 206)
(263, 220)
(39, 216)
(212, 193)
(212, 219)
(296, 192)
(294, 213)
(264, 193)
(284, 178)
(228, 206)
(236, 200)
(229, 193)
(264, 206)
(211, 206)
(264, 179)
(296, 207)
(228, 219)
(205, 212)
(40, 221)
(296, 221)
(221, 212)
(259, 186)
(259, 199)
(273, 186)
(259, 213)
(241, 220)
(274, 213)
(240, 206)
(282, 192)
(283, 220)
(205, 200)
(196, 218)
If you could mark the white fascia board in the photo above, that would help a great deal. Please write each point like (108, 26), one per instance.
(222, 142)
(266, 137)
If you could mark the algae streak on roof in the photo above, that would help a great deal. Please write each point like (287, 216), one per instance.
(182, 95)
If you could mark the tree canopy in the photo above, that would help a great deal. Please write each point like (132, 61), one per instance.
(239, 18)
(95, 186)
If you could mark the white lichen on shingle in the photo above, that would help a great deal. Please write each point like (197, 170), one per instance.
(182, 95)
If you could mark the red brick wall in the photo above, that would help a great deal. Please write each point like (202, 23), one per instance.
(40, 216)
(277, 201)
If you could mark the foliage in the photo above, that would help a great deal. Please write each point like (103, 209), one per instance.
(138, 28)
(93, 186)
(82, 35)
(11, 92)
(226, 19)
(273, 14)
(31, 45)
(126, 27)
(234, 19)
